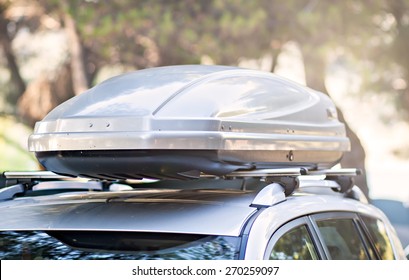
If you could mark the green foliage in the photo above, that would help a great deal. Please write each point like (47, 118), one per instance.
(146, 33)
(153, 33)
(14, 155)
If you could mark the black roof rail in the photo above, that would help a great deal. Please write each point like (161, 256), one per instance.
(10, 178)
(13, 183)
(288, 177)
(339, 180)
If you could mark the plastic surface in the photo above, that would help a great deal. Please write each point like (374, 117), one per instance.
(178, 121)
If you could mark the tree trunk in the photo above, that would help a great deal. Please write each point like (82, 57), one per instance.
(276, 49)
(45, 93)
(356, 157)
(315, 72)
(5, 43)
(78, 70)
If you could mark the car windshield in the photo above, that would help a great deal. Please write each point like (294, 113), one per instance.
(68, 245)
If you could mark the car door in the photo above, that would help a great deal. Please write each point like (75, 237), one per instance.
(331, 235)
(295, 240)
(342, 236)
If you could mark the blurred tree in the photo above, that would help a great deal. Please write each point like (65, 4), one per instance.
(79, 75)
(45, 93)
(147, 33)
(322, 27)
(5, 41)
(32, 103)
(229, 31)
(47, 90)
(398, 51)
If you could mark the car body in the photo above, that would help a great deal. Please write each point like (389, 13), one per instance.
(242, 162)
(201, 219)
(398, 214)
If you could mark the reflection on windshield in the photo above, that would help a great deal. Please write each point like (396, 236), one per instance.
(39, 245)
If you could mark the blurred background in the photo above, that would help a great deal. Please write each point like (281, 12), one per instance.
(357, 51)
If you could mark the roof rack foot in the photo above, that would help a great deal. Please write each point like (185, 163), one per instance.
(290, 184)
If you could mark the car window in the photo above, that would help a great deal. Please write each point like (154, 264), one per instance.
(342, 239)
(115, 245)
(295, 244)
(370, 246)
(379, 236)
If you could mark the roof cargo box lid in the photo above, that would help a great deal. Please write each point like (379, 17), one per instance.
(178, 121)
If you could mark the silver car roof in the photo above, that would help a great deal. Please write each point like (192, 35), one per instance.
(193, 211)
(212, 212)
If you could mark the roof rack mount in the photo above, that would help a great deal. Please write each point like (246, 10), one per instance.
(256, 173)
(287, 172)
(10, 178)
(339, 180)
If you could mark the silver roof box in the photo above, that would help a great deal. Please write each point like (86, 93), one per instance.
(180, 121)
